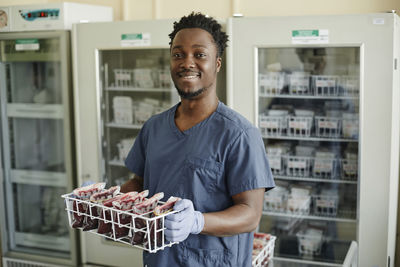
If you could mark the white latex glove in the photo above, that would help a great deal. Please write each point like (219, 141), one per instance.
(186, 221)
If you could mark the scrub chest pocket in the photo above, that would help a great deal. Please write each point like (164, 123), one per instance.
(203, 181)
(204, 173)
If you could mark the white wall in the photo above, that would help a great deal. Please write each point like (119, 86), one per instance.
(162, 9)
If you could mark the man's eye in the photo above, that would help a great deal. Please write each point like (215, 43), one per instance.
(200, 55)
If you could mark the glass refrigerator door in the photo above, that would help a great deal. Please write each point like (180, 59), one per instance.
(35, 144)
(308, 114)
(136, 85)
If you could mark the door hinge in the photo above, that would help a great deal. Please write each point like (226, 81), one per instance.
(395, 63)
(388, 261)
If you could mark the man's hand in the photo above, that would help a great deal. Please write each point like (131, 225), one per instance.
(186, 221)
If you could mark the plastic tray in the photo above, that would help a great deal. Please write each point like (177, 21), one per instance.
(272, 125)
(328, 127)
(265, 255)
(152, 230)
(271, 83)
(299, 126)
(325, 85)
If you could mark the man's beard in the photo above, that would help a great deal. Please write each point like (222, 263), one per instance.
(190, 95)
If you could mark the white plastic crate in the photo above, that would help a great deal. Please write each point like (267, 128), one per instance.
(349, 169)
(271, 83)
(164, 79)
(275, 200)
(123, 109)
(262, 256)
(299, 126)
(272, 125)
(277, 163)
(146, 228)
(324, 167)
(298, 205)
(325, 85)
(124, 146)
(123, 77)
(298, 166)
(145, 78)
(350, 126)
(329, 127)
(349, 85)
(299, 83)
(326, 204)
(310, 241)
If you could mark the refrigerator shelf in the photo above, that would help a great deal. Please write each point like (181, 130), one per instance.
(119, 163)
(44, 241)
(124, 126)
(43, 178)
(144, 231)
(345, 250)
(309, 97)
(37, 111)
(34, 57)
(311, 138)
(313, 179)
(338, 218)
(138, 89)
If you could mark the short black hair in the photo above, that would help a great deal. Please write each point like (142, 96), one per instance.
(209, 24)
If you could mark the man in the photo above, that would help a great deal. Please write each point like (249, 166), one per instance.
(206, 154)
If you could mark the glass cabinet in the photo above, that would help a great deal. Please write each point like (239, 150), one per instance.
(136, 84)
(307, 110)
(36, 137)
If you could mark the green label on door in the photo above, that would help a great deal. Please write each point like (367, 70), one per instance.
(26, 44)
(132, 36)
(310, 36)
(304, 33)
(135, 39)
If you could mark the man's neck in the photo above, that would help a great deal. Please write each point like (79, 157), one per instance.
(192, 111)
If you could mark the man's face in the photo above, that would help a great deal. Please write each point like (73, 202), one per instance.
(194, 62)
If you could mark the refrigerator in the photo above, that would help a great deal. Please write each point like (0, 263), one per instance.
(37, 144)
(121, 79)
(324, 92)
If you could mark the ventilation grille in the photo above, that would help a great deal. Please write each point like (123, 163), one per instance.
(7, 262)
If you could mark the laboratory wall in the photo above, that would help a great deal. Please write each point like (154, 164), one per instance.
(164, 9)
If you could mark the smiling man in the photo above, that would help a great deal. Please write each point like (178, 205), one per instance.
(206, 154)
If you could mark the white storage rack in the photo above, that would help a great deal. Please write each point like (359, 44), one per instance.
(142, 78)
(328, 126)
(272, 125)
(325, 85)
(325, 168)
(272, 83)
(299, 83)
(153, 230)
(326, 205)
(310, 241)
(298, 166)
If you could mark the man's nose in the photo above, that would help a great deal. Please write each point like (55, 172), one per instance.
(188, 62)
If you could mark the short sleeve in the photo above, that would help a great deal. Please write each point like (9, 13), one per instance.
(247, 164)
(136, 159)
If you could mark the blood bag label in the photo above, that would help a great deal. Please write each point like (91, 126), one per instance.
(136, 39)
(310, 36)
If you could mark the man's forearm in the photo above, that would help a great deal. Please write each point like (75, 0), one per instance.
(134, 184)
(242, 217)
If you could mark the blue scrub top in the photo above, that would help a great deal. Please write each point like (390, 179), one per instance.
(209, 163)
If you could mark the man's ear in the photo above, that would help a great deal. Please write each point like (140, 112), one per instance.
(219, 63)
